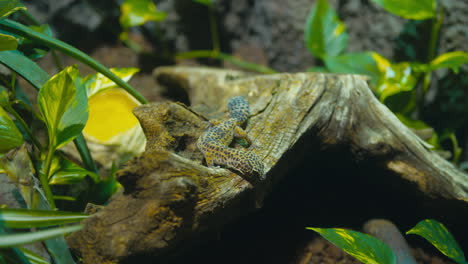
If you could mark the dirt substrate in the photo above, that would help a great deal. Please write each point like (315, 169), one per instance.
(320, 251)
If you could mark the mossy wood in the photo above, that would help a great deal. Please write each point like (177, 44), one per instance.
(171, 197)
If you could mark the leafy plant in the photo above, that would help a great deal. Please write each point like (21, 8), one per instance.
(371, 250)
(136, 13)
(401, 86)
(62, 102)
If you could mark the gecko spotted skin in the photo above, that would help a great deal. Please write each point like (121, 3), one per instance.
(214, 142)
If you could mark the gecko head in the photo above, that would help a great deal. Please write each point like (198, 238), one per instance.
(239, 109)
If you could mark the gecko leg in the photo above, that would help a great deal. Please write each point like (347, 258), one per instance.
(240, 133)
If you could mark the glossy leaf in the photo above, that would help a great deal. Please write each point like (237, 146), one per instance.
(355, 63)
(394, 78)
(138, 12)
(325, 34)
(409, 9)
(451, 60)
(25, 218)
(438, 235)
(365, 248)
(8, 42)
(18, 239)
(98, 82)
(64, 107)
(25, 67)
(67, 172)
(10, 136)
(9, 6)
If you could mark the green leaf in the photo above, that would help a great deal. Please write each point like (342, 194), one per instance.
(8, 42)
(325, 34)
(365, 248)
(25, 67)
(205, 2)
(33, 257)
(138, 12)
(64, 106)
(395, 79)
(410, 9)
(438, 235)
(67, 172)
(98, 82)
(355, 63)
(10, 136)
(18, 239)
(9, 6)
(25, 218)
(451, 60)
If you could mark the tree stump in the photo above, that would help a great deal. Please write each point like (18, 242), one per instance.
(171, 197)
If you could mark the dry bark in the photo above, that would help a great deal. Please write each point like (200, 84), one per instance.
(171, 197)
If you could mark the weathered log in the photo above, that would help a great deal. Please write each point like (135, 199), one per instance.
(170, 196)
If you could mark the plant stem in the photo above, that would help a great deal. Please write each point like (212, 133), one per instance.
(427, 77)
(436, 24)
(17, 28)
(44, 177)
(25, 127)
(32, 20)
(214, 29)
(82, 148)
(223, 56)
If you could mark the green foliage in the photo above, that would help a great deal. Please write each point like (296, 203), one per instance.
(24, 218)
(64, 171)
(356, 63)
(97, 82)
(410, 9)
(10, 136)
(438, 235)
(18, 239)
(365, 248)
(63, 104)
(137, 12)
(370, 250)
(452, 60)
(33, 257)
(325, 34)
(401, 86)
(25, 67)
(8, 42)
(53, 43)
(205, 2)
(9, 6)
(395, 79)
